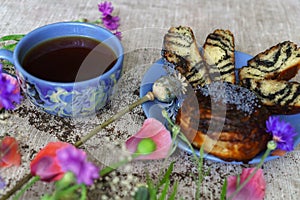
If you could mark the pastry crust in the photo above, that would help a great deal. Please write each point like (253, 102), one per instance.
(219, 55)
(180, 48)
(281, 97)
(280, 62)
(241, 134)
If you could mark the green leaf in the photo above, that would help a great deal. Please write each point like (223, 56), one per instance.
(142, 193)
(174, 192)
(166, 177)
(165, 190)
(16, 37)
(83, 192)
(151, 188)
(46, 197)
(10, 47)
(224, 190)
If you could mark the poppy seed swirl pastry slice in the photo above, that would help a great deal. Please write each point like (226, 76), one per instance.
(238, 113)
(281, 97)
(180, 49)
(280, 62)
(219, 55)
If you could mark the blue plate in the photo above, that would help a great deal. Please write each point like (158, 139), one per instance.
(153, 109)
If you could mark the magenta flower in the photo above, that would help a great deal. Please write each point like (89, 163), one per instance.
(152, 131)
(105, 8)
(74, 160)
(9, 91)
(253, 190)
(111, 22)
(283, 133)
(118, 34)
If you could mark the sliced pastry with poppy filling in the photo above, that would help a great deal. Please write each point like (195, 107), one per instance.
(218, 52)
(281, 97)
(280, 62)
(180, 49)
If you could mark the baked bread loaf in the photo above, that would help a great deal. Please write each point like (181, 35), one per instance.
(180, 49)
(229, 124)
(219, 55)
(280, 62)
(281, 97)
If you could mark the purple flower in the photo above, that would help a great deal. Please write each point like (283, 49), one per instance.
(2, 183)
(283, 133)
(74, 160)
(111, 22)
(105, 8)
(9, 91)
(118, 34)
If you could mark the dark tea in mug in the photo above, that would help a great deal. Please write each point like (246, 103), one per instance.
(69, 59)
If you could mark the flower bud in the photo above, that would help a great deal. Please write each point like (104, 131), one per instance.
(272, 145)
(146, 146)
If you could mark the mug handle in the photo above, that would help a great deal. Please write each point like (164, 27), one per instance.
(7, 55)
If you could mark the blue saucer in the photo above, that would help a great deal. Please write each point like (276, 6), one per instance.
(153, 109)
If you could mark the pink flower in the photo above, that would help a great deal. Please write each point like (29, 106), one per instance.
(154, 130)
(253, 190)
(46, 164)
(9, 152)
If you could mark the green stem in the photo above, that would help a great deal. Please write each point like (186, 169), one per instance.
(83, 192)
(200, 175)
(28, 185)
(199, 161)
(241, 186)
(148, 97)
(19, 185)
(106, 170)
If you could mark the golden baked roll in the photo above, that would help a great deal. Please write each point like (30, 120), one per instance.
(218, 53)
(180, 48)
(227, 119)
(281, 97)
(280, 62)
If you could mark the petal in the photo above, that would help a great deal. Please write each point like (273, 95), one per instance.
(231, 185)
(9, 151)
(45, 164)
(150, 128)
(47, 168)
(50, 150)
(155, 130)
(254, 189)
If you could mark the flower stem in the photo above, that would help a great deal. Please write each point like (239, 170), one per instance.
(177, 133)
(148, 97)
(106, 170)
(28, 185)
(241, 186)
(19, 185)
(83, 192)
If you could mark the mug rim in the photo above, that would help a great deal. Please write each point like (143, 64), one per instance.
(116, 66)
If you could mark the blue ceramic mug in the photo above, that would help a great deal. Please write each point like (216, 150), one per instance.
(67, 99)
